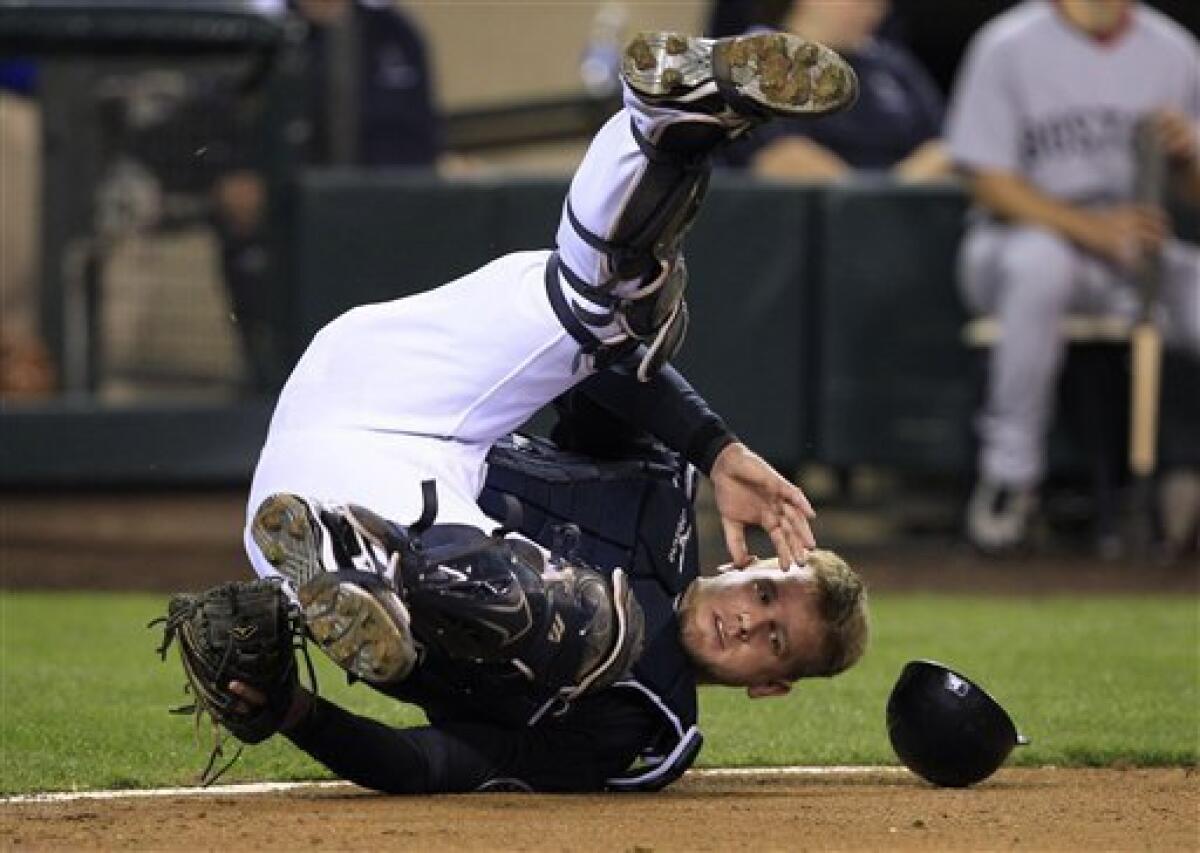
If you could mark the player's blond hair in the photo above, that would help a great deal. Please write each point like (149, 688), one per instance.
(842, 604)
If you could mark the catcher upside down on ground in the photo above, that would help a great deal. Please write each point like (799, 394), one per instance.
(572, 663)
(535, 674)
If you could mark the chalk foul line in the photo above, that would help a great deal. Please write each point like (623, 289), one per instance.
(284, 787)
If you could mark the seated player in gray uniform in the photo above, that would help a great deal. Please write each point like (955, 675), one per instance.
(560, 649)
(1042, 122)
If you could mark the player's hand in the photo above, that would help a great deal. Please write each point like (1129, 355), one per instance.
(1177, 135)
(748, 491)
(251, 698)
(1122, 234)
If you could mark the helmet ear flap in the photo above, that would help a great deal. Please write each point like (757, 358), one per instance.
(947, 729)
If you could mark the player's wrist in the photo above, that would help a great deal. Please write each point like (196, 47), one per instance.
(726, 458)
(299, 712)
(711, 446)
(1085, 228)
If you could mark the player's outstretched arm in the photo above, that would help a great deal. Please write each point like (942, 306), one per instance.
(599, 740)
(373, 755)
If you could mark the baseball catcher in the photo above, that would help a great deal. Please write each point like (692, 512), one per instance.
(562, 649)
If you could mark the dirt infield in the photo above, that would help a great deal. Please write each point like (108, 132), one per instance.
(1042, 809)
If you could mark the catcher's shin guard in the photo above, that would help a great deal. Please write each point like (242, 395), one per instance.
(487, 599)
(646, 275)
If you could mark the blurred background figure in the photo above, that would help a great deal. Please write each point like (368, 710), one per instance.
(368, 102)
(1042, 124)
(370, 94)
(26, 369)
(893, 128)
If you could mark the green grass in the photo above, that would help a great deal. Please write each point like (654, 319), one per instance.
(1092, 681)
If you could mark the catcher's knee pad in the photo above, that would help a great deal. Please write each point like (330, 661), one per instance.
(567, 628)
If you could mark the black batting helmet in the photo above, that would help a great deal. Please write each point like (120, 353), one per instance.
(945, 728)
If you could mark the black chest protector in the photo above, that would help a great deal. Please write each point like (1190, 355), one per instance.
(637, 514)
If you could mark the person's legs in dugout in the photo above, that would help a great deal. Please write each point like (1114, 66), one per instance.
(1029, 284)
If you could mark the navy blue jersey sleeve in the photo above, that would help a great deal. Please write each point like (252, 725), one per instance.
(667, 407)
(599, 738)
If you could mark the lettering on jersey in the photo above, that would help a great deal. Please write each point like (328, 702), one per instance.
(1079, 133)
(556, 629)
(678, 551)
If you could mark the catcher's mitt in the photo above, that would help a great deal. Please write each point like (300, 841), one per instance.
(246, 631)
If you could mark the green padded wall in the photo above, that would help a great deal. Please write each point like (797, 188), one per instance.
(895, 384)
(748, 348)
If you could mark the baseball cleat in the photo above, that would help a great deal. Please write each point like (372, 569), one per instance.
(303, 539)
(1000, 518)
(349, 608)
(756, 76)
(362, 626)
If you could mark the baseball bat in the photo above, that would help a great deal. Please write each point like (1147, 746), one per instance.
(1145, 381)
(1146, 338)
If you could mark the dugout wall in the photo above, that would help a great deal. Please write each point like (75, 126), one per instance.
(826, 325)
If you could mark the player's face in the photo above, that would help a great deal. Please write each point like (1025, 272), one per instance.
(750, 627)
(1099, 17)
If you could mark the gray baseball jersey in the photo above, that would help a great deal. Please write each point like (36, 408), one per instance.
(1039, 98)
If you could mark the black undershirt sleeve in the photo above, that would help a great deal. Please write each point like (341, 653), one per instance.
(600, 738)
(666, 406)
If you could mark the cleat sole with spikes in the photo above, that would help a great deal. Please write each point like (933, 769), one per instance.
(757, 75)
(284, 531)
(365, 632)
